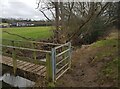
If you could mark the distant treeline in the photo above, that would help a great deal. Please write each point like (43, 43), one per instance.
(28, 21)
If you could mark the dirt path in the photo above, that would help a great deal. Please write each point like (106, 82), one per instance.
(84, 73)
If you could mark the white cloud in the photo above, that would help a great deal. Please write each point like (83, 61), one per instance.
(20, 9)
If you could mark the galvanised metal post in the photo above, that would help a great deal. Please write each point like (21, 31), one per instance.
(70, 50)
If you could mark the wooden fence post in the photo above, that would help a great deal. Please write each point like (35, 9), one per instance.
(34, 53)
(14, 59)
(49, 70)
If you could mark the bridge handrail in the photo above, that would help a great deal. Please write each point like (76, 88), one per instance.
(34, 42)
(54, 70)
(29, 49)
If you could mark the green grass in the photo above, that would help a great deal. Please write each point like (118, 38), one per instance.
(108, 54)
(108, 42)
(35, 33)
(107, 47)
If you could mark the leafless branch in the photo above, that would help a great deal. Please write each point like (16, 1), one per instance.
(92, 16)
(45, 15)
(38, 4)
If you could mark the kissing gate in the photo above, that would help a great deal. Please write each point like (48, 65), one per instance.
(55, 59)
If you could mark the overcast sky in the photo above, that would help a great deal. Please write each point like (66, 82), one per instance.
(20, 9)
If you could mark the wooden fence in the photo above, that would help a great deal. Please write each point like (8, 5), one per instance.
(55, 57)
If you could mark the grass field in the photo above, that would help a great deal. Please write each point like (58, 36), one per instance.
(34, 33)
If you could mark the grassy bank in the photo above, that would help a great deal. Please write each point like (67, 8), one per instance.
(95, 64)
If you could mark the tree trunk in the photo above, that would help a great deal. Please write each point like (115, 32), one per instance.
(56, 21)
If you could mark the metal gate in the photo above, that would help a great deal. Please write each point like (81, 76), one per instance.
(61, 60)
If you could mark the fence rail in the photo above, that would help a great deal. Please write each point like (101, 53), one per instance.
(57, 60)
(32, 42)
(29, 49)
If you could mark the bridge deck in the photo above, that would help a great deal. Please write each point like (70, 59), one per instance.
(25, 66)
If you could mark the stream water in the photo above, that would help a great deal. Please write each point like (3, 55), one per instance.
(15, 81)
(8, 79)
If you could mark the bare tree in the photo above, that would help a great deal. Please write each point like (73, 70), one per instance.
(73, 20)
